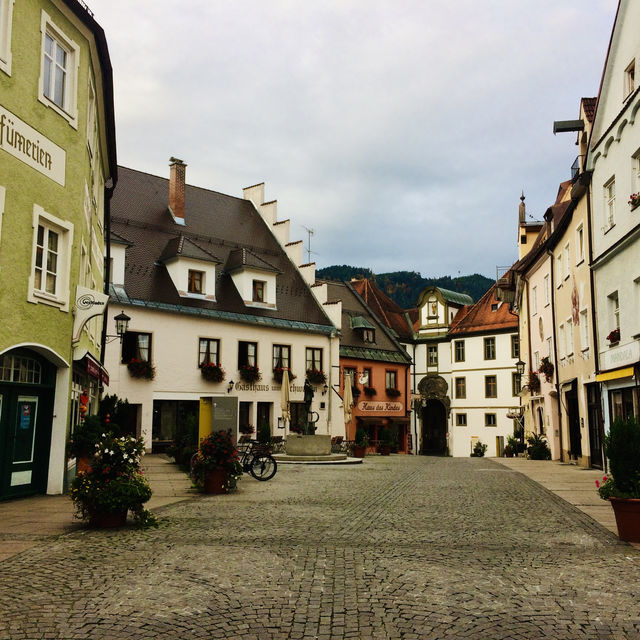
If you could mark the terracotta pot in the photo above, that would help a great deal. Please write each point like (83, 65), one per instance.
(215, 482)
(359, 451)
(82, 464)
(627, 512)
(101, 520)
(384, 449)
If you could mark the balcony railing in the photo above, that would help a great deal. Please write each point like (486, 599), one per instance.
(575, 168)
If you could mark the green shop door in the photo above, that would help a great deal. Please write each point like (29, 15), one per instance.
(25, 435)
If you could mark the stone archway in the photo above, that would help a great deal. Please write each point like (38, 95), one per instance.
(434, 414)
(434, 428)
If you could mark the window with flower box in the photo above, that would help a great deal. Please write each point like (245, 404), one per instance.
(209, 351)
(313, 359)
(247, 354)
(281, 356)
(136, 345)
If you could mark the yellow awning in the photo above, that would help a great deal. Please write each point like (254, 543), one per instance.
(627, 372)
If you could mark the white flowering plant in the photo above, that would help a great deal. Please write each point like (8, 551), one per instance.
(114, 482)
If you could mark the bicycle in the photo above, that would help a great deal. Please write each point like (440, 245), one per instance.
(256, 459)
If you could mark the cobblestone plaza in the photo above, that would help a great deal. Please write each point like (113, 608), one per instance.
(399, 547)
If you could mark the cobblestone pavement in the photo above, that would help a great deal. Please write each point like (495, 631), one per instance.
(400, 547)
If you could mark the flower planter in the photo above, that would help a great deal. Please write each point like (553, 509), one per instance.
(215, 482)
(627, 512)
(250, 374)
(359, 450)
(384, 449)
(212, 373)
(82, 464)
(103, 520)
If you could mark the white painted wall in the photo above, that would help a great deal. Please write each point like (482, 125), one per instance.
(175, 341)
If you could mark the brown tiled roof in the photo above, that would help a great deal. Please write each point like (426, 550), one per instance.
(388, 312)
(480, 318)
(354, 308)
(185, 248)
(216, 223)
(589, 106)
(240, 258)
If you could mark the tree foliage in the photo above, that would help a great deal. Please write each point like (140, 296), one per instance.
(404, 287)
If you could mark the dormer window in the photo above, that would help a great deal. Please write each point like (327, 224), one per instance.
(254, 278)
(362, 327)
(258, 290)
(196, 282)
(191, 268)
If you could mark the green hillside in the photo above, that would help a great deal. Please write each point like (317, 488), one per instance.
(404, 287)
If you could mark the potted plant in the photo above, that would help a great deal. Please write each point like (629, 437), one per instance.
(361, 443)
(634, 200)
(246, 429)
(614, 336)
(546, 368)
(479, 449)
(622, 487)
(534, 382)
(215, 462)
(507, 452)
(113, 485)
(369, 391)
(141, 369)
(384, 446)
(315, 376)
(250, 373)
(212, 372)
(83, 440)
(393, 393)
(537, 448)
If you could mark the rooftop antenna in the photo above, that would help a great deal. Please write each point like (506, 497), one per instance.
(310, 233)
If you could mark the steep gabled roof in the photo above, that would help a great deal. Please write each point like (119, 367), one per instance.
(357, 315)
(215, 225)
(388, 312)
(487, 315)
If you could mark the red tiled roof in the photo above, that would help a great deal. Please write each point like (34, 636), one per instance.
(481, 318)
(589, 106)
(389, 313)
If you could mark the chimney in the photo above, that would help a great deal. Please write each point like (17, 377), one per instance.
(177, 189)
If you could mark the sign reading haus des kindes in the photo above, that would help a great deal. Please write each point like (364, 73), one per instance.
(31, 147)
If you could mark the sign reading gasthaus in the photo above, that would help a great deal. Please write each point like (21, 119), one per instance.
(31, 147)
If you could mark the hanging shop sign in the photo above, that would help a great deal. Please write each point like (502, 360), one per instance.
(31, 147)
(88, 303)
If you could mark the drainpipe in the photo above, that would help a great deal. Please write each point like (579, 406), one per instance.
(108, 193)
(555, 348)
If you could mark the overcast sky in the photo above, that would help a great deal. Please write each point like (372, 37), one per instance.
(401, 132)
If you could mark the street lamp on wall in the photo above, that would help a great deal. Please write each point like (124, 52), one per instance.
(230, 386)
(122, 324)
(520, 366)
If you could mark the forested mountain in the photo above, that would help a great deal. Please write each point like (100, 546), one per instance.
(404, 287)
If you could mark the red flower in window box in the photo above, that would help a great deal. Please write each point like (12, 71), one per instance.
(250, 373)
(315, 376)
(212, 372)
(614, 336)
(141, 369)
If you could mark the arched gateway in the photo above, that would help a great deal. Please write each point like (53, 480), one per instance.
(434, 412)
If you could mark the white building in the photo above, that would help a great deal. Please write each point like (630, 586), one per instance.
(614, 158)
(210, 278)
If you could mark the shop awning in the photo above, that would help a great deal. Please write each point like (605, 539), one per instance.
(94, 368)
(625, 372)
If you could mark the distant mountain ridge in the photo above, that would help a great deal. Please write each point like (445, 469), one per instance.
(404, 287)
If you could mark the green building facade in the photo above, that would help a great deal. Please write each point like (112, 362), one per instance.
(57, 170)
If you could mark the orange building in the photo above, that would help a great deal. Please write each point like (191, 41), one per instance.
(379, 368)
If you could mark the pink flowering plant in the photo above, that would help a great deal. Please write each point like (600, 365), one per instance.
(113, 482)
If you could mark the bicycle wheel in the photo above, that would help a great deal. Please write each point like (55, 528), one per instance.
(263, 467)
